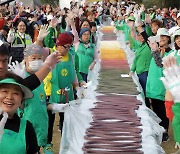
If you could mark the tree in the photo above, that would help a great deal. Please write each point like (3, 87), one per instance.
(51, 2)
(160, 3)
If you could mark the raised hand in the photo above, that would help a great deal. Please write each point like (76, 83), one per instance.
(43, 32)
(171, 79)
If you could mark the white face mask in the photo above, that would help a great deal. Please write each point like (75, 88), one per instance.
(35, 65)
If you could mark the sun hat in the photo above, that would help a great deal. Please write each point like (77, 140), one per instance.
(131, 18)
(176, 33)
(163, 31)
(27, 92)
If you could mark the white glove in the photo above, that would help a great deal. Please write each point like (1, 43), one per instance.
(43, 32)
(17, 69)
(79, 93)
(142, 9)
(2, 122)
(138, 20)
(59, 107)
(171, 79)
(177, 145)
(80, 12)
(153, 46)
(52, 60)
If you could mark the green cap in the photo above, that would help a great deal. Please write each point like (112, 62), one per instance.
(131, 18)
(27, 92)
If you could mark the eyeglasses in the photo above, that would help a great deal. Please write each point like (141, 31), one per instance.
(67, 47)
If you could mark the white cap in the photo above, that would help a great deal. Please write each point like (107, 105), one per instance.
(122, 2)
(163, 31)
(49, 17)
(178, 15)
(176, 33)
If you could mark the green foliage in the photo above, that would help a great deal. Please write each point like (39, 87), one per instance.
(51, 2)
(160, 3)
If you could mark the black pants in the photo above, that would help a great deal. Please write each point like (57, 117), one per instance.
(142, 80)
(51, 124)
(159, 108)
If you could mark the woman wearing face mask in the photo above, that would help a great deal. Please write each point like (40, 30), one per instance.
(35, 108)
(18, 134)
(19, 40)
(155, 89)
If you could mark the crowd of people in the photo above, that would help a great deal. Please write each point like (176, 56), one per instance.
(46, 54)
(152, 34)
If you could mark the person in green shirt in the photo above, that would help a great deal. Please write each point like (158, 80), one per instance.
(62, 81)
(35, 108)
(18, 134)
(49, 40)
(172, 107)
(155, 89)
(142, 61)
(171, 80)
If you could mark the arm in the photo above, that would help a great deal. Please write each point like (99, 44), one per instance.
(75, 33)
(80, 79)
(120, 27)
(11, 36)
(32, 85)
(77, 24)
(48, 65)
(143, 33)
(48, 41)
(31, 140)
(133, 67)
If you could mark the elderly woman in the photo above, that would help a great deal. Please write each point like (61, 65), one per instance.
(19, 135)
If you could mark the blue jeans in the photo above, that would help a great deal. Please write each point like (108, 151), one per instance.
(142, 80)
(84, 76)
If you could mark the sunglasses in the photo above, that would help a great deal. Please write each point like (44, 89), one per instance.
(67, 47)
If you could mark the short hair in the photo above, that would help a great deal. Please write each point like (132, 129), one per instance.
(89, 13)
(4, 51)
(85, 20)
(17, 78)
(93, 24)
(157, 22)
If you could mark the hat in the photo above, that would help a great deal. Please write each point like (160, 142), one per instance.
(32, 49)
(163, 31)
(63, 39)
(131, 18)
(49, 17)
(176, 33)
(83, 30)
(27, 92)
(178, 15)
